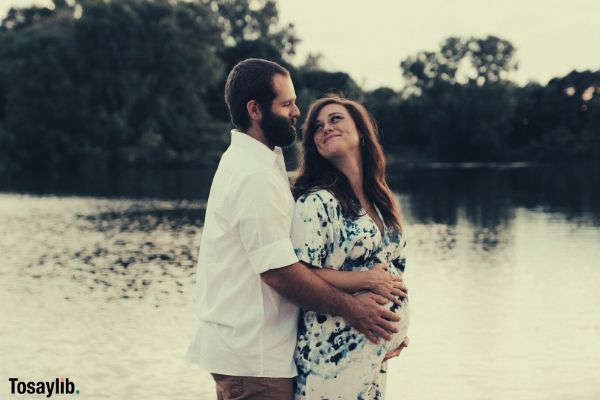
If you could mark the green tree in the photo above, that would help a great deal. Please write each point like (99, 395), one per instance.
(560, 121)
(463, 98)
(492, 58)
(257, 21)
(108, 83)
(250, 29)
(387, 108)
(458, 60)
(314, 83)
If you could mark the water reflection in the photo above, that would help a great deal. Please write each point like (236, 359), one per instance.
(111, 249)
(502, 268)
(487, 197)
(134, 220)
(154, 184)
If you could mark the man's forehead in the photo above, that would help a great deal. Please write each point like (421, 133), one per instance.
(283, 85)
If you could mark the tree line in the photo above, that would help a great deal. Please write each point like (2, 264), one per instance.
(111, 84)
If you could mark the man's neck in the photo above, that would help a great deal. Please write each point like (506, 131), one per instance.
(258, 134)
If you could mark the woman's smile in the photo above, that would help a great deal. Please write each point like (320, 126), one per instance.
(331, 136)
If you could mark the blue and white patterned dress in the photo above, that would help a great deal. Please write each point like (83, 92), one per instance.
(334, 360)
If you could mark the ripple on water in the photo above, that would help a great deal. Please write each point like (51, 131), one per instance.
(100, 290)
(117, 249)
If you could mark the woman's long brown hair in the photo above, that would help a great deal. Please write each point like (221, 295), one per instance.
(315, 172)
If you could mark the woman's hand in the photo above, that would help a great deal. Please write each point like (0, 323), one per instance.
(396, 352)
(381, 282)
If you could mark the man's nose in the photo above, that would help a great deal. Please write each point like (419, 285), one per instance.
(295, 111)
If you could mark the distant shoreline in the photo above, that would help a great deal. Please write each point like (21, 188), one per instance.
(465, 165)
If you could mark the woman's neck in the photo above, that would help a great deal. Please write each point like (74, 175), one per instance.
(352, 168)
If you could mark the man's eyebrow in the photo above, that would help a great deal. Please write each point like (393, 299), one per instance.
(292, 99)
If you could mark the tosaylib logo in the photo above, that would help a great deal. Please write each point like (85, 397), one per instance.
(58, 386)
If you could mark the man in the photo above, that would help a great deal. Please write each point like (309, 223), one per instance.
(250, 282)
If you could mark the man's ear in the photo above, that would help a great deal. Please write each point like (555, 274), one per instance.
(253, 110)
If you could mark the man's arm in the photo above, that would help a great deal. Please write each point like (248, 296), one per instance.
(364, 312)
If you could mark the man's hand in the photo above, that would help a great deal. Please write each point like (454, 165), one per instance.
(368, 316)
(365, 312)
(396, 352)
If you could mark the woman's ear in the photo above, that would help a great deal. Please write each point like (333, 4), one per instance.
(253, 109)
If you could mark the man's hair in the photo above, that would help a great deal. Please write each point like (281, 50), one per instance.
(251, 79)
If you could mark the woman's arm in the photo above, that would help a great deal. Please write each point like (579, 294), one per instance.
(377, 280)
(348, 281)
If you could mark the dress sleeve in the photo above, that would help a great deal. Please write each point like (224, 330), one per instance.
(312, 229)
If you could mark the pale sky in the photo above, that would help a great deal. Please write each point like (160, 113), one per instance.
(368, 39)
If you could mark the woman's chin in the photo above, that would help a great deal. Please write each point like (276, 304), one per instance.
(332, 155)
(333, 149)
(336, 152)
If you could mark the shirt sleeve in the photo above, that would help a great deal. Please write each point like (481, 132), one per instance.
(264, 220)
(312, 230)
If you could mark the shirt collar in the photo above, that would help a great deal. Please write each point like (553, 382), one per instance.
(253, 146)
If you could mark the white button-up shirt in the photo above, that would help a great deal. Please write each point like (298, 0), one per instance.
(246, 328)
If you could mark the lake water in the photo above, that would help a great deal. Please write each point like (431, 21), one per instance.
(97, 283)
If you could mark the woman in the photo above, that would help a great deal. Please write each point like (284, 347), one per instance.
(346, 224)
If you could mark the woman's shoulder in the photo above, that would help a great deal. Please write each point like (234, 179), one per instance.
(320, 202)
(320, 197)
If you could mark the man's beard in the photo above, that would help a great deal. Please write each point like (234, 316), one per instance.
(279, 131)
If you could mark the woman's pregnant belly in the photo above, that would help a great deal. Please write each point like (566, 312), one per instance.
(403, 311)
(327, 344)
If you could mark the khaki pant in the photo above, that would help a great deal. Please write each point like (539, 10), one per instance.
(253, 388)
